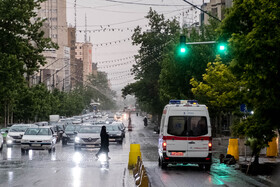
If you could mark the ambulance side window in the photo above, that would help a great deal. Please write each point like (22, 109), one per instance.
(162, 123)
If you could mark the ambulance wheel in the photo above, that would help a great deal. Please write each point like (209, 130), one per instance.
(207, 167)
(163, 164)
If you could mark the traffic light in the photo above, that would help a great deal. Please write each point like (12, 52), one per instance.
(222, 47)
(183, 47)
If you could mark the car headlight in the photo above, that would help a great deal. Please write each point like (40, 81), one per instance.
(9, 141)
(77, 139)
(47, 141)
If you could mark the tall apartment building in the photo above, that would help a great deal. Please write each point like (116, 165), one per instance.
(74, 68)
(215, 8)
(83, 55)
(56, 73)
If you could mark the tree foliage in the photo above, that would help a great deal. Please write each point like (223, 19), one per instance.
(177, 70)
(253, 31)
(147, 68)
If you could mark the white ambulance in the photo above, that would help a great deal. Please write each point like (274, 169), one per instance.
(185, 134)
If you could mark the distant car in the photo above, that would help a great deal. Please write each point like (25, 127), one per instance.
(88, 137)
(121, 126)
(110, 120)
(16, 132)
(40, 138)
(1, 142)
(115, 133)
(77, 119)
(69, 135)
(42, 123)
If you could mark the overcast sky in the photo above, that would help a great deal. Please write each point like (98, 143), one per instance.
(110, 25)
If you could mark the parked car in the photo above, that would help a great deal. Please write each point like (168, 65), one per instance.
(38, 138)
(115, 133)
(16, 132)
(121, 126)
(88, 137)
(69, 135)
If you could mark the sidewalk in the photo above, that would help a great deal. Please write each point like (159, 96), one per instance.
(269, 168)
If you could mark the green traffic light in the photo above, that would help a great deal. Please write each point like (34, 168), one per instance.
(183, 50)
(222, 47)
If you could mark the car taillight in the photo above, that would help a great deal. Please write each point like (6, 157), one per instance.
(164, 145)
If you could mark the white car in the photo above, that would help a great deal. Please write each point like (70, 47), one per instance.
(1, 142)
(88, 137)
(40, 138)
(16, 132)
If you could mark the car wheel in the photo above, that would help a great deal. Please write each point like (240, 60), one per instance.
(23, 151)
(1, 147)
(159, 162)
(9, 145)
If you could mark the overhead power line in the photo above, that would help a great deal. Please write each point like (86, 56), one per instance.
(145, 4)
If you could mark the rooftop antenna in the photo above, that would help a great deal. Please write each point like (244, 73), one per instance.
(86, 28)
(75, 13)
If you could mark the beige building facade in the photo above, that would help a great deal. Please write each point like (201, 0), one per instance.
(58, 61)
(216, 8)
(83, 54)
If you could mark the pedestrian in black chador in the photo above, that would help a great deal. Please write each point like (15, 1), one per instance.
(104, 142)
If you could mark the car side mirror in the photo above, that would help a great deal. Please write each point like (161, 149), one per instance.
(75, 132)
(7, 131)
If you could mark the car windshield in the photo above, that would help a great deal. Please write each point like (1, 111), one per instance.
(92, 129)
(37, 131)
(18, 128)
(187, 126)
(112, 128)
(72, 128)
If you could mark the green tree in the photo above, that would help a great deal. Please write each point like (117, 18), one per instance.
(147, 68)
(177, 70)
(22, 44)
(253, 31)
(219, 90)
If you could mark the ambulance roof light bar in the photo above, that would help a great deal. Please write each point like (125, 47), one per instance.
(173, 101)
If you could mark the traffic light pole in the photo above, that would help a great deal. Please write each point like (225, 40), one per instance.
(207, 42)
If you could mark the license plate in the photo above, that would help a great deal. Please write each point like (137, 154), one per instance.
(90, 145)
(112, 139)
(36, 145)
(177, 153)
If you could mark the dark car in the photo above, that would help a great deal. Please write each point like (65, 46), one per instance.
(69, 135)
(121, 126)
(115, 133)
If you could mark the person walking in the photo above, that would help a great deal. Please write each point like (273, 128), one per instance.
(145, 121)
(104, 142)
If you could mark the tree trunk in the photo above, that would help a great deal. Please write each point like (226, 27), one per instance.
(5, 114)
(256, 160)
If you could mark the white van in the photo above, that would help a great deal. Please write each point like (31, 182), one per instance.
(185, 134)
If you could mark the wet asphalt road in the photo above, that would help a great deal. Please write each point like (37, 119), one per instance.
(66, 167)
